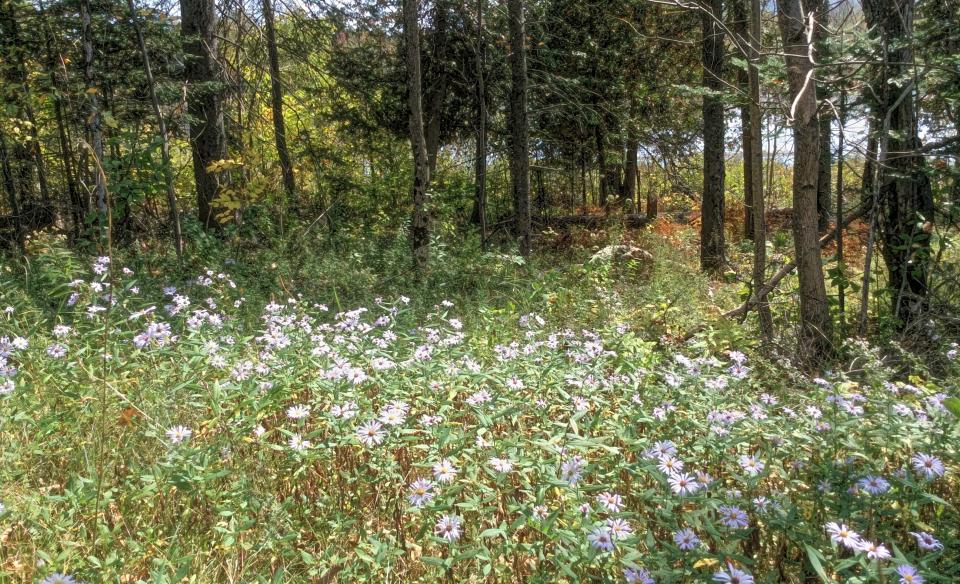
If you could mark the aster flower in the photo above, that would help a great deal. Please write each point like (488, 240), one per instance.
(612, 502)
(683, 484)
(841, 534)
(298, 443)
(298, 412)
(420, 492)
(751, 465)
(686, 539)
(501, 464)
(733, 575)
(874, 551)
(926, 541)
(601, 538)
(638, 576)
(670, 465)
(370, 434)
(733, 517)
(570, 470)
(539, 512)
(874, 485)
(619, 528)
(909, 575)
(448, 528)
(178, 434)
(929, 466)
(444, 471)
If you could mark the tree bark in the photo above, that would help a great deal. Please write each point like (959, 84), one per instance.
(208, 141)
(815, 324)
(437, 90)
(480, 164)
(740, 25)
(93, 120)
(276, 102)
(820, 10)
(630, 171)
(519, 134)
(905, 194)
(419, 220)
(755, 179)
(712, 202)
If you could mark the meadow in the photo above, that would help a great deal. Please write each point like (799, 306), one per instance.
(552, 427)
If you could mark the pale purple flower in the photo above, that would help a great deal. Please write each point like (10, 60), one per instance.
(612, 502)
(298, 412)
(371, 433)
(178, 434)
(926, 541)
(601, 539)
(448, 527)
(638, 576)
(686, 539)
(733, 517)
(751, 465)
(874, 551)
(909, 575)
(420, 492)
(683, 484)
(619, 528)
(444, 471)
(929, 466)
(874, 485)
(733, 575)
(841, 534)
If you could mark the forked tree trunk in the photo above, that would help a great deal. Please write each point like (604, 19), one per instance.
(815, 324)
(208, 141)
(820, 10)
(276, 102)
(419, 220)
(712, 202)
(520, 129)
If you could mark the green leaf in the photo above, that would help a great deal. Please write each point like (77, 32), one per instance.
(815, 557)
(953, 404)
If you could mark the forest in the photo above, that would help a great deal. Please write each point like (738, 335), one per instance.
(644, 291)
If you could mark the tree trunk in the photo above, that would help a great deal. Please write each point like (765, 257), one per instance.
(419, 220)
(480, 164)
(520, 130)
(906, 198)
(437, 89)
(820, 10)
(208, 141)
(740, 25)
(93, 121)
(10, 185)
(162, 128)
(815, 323)
(276, 95)
(630, 172)
(712, 203)
(755, 179)
(601, 163)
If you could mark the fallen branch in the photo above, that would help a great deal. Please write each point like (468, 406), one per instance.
(755, 299)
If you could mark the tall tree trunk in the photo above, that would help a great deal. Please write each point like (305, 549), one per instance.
(906, 196)
(520, 130)
(755, 179)
(93, 121)
(276, 96)
(712, 202)
(820, 10)
(740, 25)
(419, 220)
(815, 324)
(437, 89)
(870, 158)
(601, 141)
(841, 286)
(10, 185)
(208, 142)
(480, 164)
(162, 128)
(630, 170)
